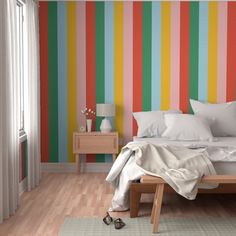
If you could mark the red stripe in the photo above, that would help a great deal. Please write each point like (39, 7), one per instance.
(137, 60)
(90, 63)
(22, 161)
(231, 52)
(43, 28)
(184, 55)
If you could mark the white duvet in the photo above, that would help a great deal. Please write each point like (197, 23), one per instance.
(125, 170)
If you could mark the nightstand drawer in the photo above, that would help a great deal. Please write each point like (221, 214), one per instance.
(96, 143)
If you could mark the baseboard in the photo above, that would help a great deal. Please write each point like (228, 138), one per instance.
(22, 186)
(71, 167)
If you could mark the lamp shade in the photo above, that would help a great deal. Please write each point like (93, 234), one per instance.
(105, 110)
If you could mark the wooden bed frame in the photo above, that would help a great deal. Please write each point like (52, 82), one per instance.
(160, 184)
(136, 190)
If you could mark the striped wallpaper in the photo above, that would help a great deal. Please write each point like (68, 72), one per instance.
(138, 55)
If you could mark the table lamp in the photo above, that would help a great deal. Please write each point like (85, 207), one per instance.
(105, 110)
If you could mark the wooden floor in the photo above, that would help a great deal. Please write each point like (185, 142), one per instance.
(42, 211)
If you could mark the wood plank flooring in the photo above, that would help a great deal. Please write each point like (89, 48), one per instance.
(43, 210)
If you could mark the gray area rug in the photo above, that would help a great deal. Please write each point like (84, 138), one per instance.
(174, 226)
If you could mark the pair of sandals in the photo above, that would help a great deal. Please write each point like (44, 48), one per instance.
(117, 222)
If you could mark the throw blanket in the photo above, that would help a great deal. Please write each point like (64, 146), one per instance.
(180, 167)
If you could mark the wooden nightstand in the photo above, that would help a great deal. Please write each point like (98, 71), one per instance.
(94, 143)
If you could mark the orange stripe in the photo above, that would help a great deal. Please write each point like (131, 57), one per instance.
(231, 52)
(90, 63)
(184, 55)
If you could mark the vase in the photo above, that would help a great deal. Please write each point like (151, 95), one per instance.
(89, 125)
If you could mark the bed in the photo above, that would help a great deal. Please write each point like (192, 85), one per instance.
(222, 154)
(214, 123)
(222, 165)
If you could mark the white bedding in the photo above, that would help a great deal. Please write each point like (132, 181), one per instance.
(220, 142)
(222, 150)
(224, 161)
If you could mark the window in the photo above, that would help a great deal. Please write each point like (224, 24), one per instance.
(21, 62)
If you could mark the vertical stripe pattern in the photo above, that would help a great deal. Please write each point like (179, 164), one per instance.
(222, 51)
(72, 73)
(138, 55)
(146, 58)
(99, 64)
(137, 60)
(212, 51)
(118, 65)
(90, 63)
(203, 52)
(165, 56)
(184, 55)
(62, 82)
(109, 60)
(128, 69)
(193, 60)
(175, 54)
(156, 55)
(231, 52)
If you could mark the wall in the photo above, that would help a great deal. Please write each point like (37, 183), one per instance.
(23, 161)
(138, 55)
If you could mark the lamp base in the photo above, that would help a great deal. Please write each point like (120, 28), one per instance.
(105, 126)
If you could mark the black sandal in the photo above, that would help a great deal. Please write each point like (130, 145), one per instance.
(119, 223)
(107, 219)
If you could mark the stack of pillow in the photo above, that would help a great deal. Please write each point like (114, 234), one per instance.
(209, 121)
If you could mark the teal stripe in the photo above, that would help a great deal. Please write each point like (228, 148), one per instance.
(203, 52)
(62, 82)
(156, 55)
(194, 32)
(109, 60)
(100, 86)
(146, 57)
(52, 82)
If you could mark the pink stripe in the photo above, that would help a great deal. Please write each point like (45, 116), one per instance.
(175, 55)
(222, 51)
(81, 61)
(128, 70)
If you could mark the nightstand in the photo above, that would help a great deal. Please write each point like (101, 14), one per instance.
(94, 143)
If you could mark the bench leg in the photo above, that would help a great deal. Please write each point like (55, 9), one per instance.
(134, 202)
(157, 206)
(153, 208)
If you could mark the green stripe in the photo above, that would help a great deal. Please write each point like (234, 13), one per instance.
(194, 33)
(52, 82)
(100, 86)
(25, 159)
(146, 59)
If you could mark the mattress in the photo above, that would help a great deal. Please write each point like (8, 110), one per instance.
(220, 142)
(222, 166)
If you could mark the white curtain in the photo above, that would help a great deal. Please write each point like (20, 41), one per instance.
(32, 110)
(9, 126)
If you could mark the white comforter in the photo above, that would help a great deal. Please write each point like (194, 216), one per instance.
(182, 168)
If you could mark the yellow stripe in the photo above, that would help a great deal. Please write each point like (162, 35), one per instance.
(212, 51)
(118, 65)
(165, 56)
(71, 55)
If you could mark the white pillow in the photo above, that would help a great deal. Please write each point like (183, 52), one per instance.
(224, 115)
(187, 128)
(151, 123)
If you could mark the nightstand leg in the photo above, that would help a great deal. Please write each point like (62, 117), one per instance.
(113, 157)
(77, 159)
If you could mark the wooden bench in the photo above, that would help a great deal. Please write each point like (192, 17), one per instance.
(160, 183)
